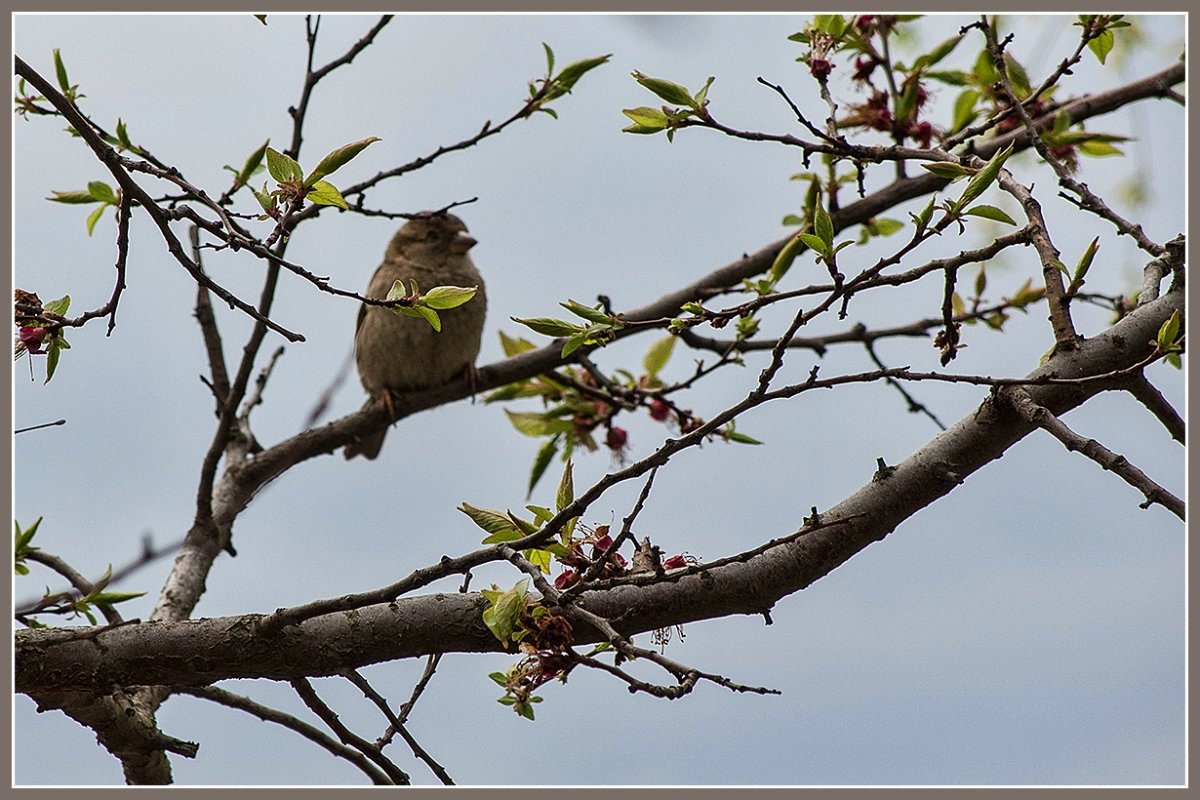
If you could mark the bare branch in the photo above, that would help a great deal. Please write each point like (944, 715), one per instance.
(306, 692)
(1140, 387)
(267, 714)
(1044, 419)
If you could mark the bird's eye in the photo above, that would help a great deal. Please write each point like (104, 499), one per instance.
(432, 236)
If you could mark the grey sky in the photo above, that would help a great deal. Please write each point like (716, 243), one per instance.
(1027, 629)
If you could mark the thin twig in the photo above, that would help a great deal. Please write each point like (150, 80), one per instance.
(1118, 464)
(306, 692)
(267, 714)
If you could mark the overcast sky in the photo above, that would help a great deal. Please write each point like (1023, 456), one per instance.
(1027, 629)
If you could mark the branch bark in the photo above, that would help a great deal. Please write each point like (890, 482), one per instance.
(201, 652)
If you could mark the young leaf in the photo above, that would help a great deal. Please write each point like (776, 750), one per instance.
(823, 225)
(512, 347)
(964, 110)
(983, 179)
(1169, 331)
(1100, 46)
(1085, 262)
(815, 243)
(78, 197)
(566, 489)
(60, 69)
(992, 213)
(443, 297)
(338, 159)
(948, 169)
(253, 161)
(324, 193)
(283, 168)
(657, 355)
(571, 73)
(99, 190)
(545, 455)
(671, 92)
(645, 120)
(549, 59)
(58, 306)
(94, 217)
(488, 519)
(548, 326)
(504, 612)
(424, 312)
(589, 313)
(937, 54)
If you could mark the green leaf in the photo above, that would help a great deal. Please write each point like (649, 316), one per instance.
(123, 135)
(734, 436)
(832, 24)
(671, 92)
(549, 59)
(398, 291)
(786, 255)
(112, 598)
(537, 425)
(572, 344)
(53, 351)
(645, 119)
(283, 168)
(992, 213)
(253, 162)
(512, 347)
(548, 326)
(60, 70)
(58, 306)
(566, 489)
(324, 193)
(99, 190)
(589, 313)
(921, 220)
(885, 226)
(571, 73)
(337, 159)
(948, 169)
(1100, 46)
(444, 297)
(22, 538)
(490, 520)
(1169, 331)
(1098, 149)
(503, 615)
(539, 558)
(983, 179)
(1017, 76)
(541, 461)
(424, 312)
(823, 225)
(657, 355)
(78, 197)
(964, 110)
(265, 199)
(1085, 262)
(815, 243)
(94, 217)
(985, 69)
(936, 54)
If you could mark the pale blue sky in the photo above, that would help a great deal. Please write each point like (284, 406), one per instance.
(1026, 629)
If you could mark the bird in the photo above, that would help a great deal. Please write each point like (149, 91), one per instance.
(398, 353)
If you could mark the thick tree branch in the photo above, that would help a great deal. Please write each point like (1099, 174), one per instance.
(201, 652)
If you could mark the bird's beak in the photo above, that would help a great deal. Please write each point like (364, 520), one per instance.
(461, 243)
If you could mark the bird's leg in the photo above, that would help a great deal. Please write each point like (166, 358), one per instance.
(471, 377)
(387, 398)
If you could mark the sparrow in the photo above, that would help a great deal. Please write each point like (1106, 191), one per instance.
(397, 353)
